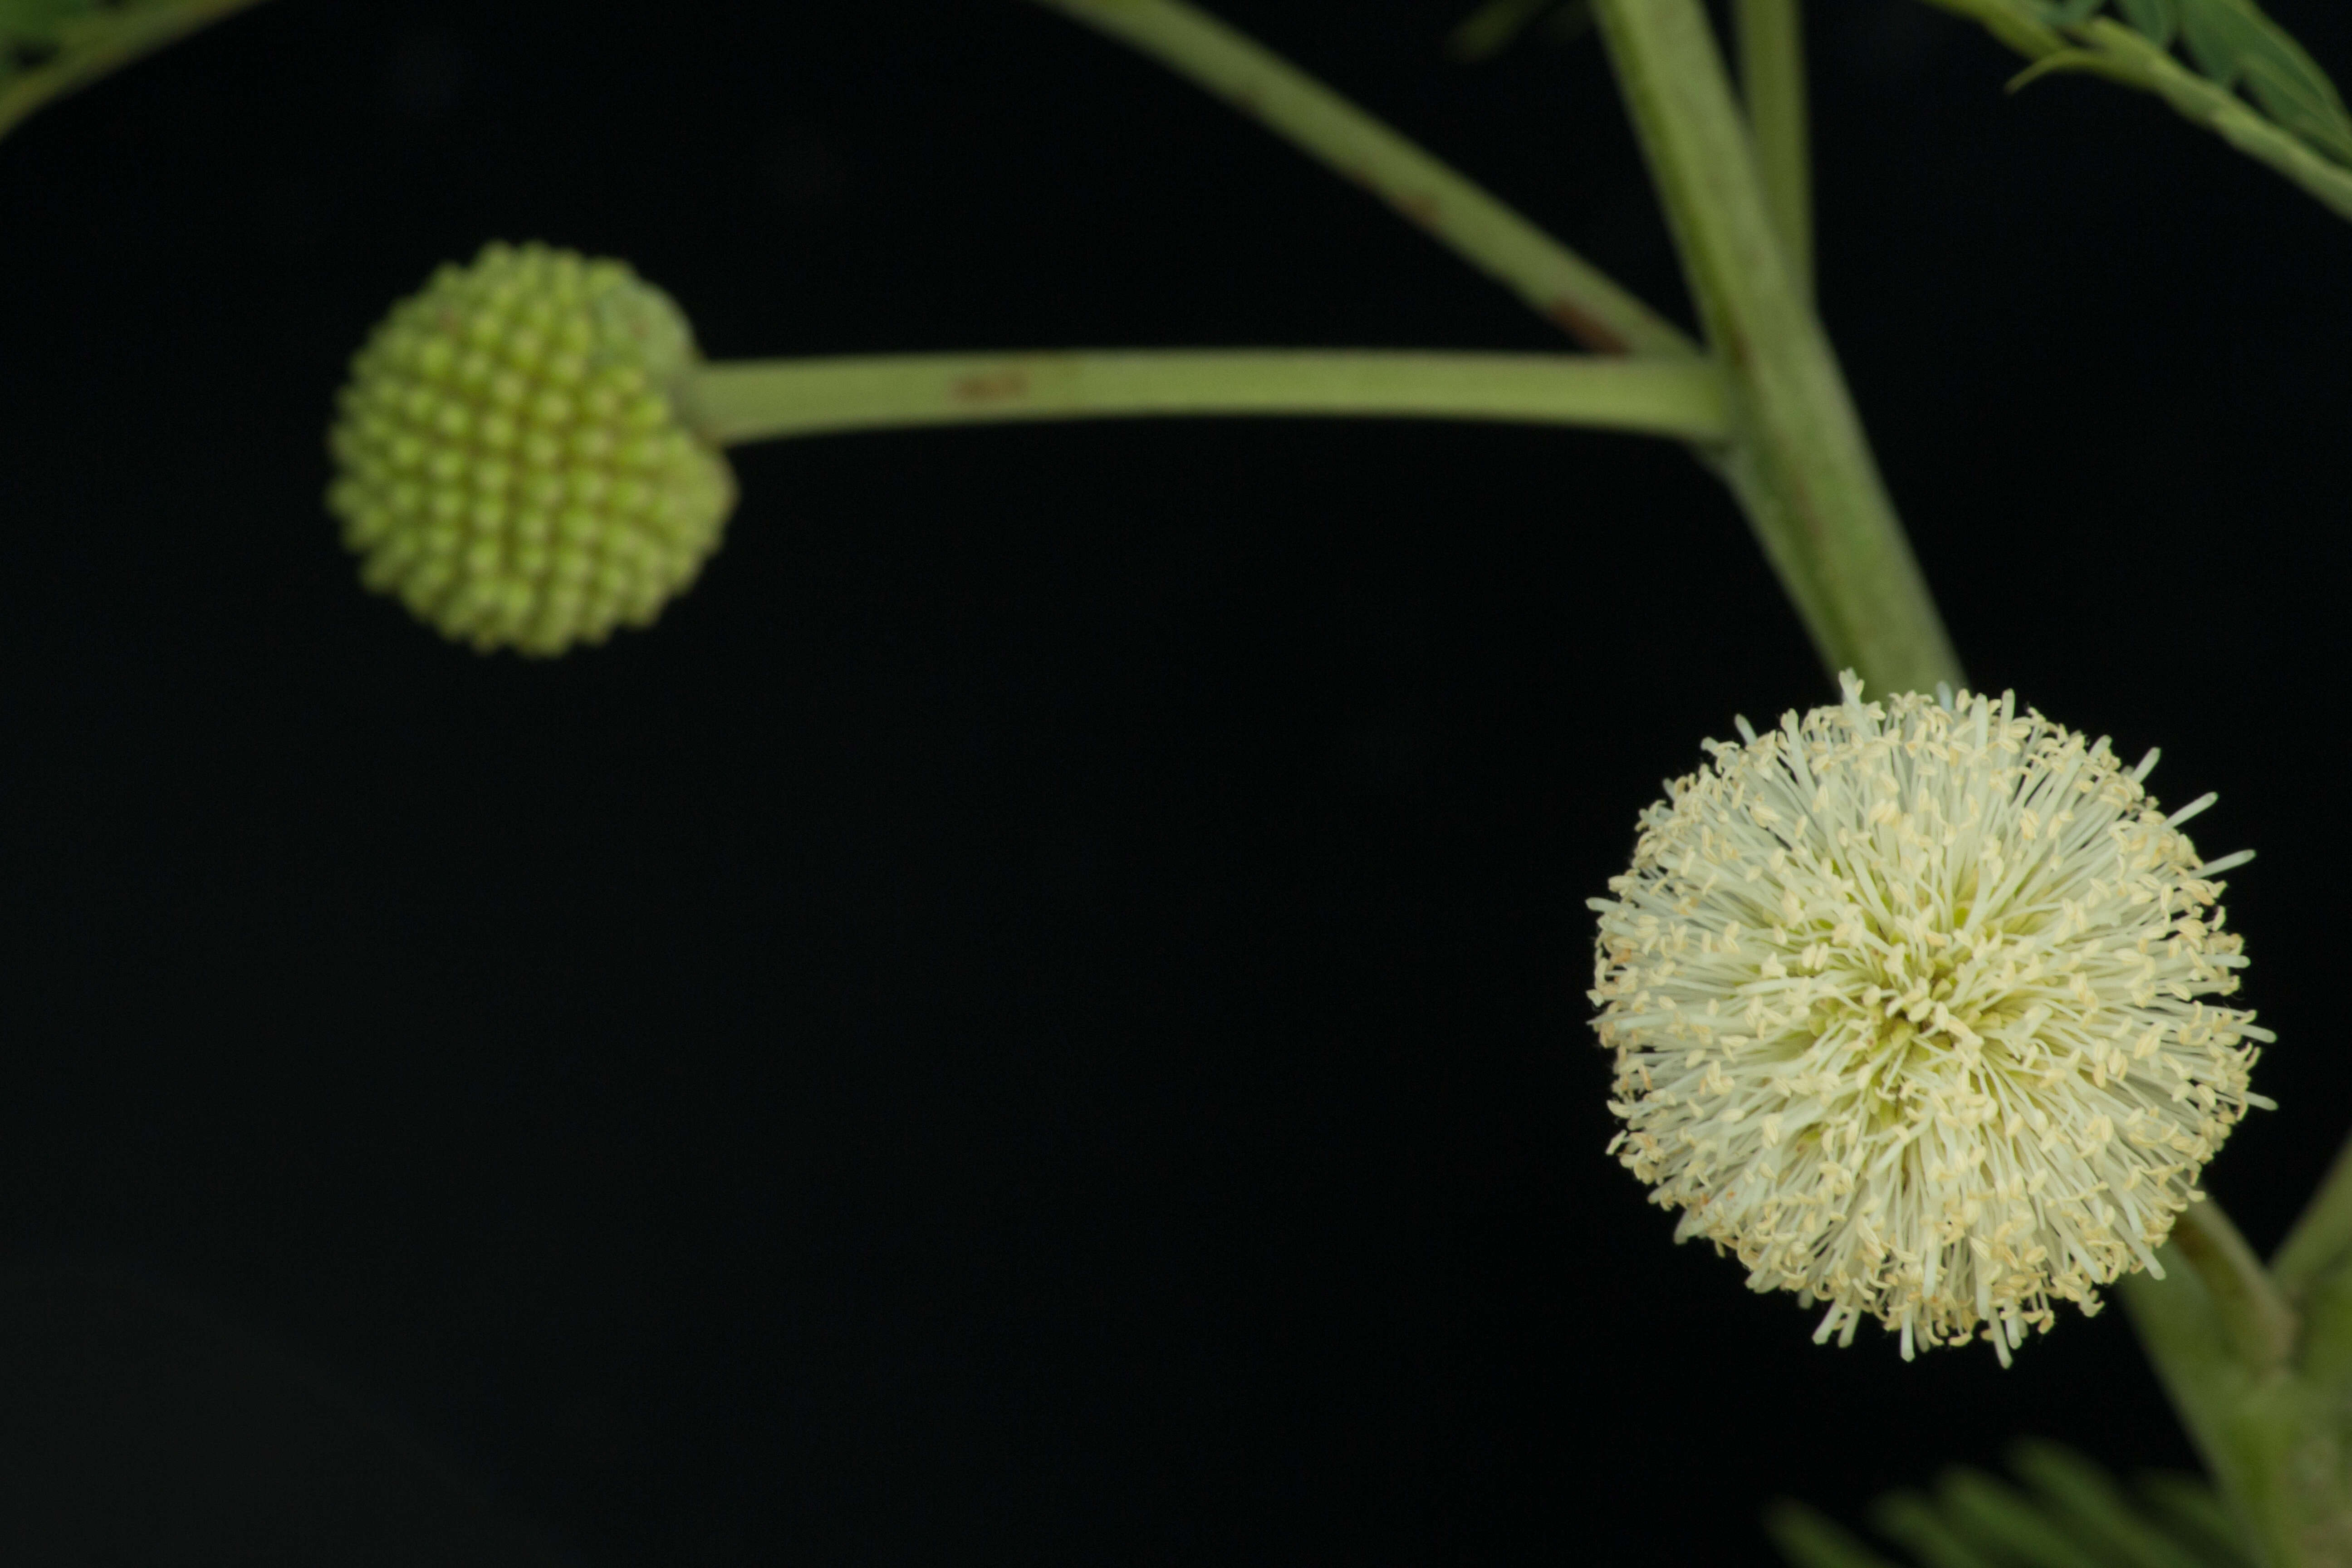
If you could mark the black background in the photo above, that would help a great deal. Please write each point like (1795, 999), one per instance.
(1038, 1016)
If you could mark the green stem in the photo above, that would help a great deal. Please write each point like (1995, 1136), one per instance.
(755, 400)
(2182, 1336)
(2224, 1345)
(1560, 284)
(1772, 80)
(1829, 520)
(93, 46)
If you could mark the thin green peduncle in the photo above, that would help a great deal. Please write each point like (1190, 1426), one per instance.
(1831, 529)
(756, 400)
(1772, 80)
(1556, 282)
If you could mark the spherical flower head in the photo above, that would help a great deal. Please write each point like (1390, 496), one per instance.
(509, 460)
(1908, 1005)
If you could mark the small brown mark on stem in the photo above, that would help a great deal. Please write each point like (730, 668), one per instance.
(992, 386)
(1585, 326)
(1418, 205)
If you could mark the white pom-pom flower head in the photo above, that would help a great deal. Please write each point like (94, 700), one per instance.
(1910, 1003)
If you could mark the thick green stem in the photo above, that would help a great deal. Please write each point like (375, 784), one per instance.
(1560, 284)
(1838, 543)
(1772, 80)
(760, 399)
(2267, 1416)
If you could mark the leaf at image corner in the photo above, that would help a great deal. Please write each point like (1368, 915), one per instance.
(29, 32)
(2233, 42)
(1807, 1538)
(50, 48)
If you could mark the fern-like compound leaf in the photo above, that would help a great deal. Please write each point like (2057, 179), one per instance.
(2220, 63)
(2234, 44)
(48, 47)
(2068, 1512)
(2243, 78)
(1990, 1509)
(2088, 1502)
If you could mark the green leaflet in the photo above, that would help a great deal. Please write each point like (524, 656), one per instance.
(29, 32)
(2194, 1516)
(2068, 1512)
(2242, 77)
(2233, 42)
(2158, 18)
(2289, 116)
(2230, 43)
(34, 18)
(1809, 1538)
(1494, 27)
(2014, 1522)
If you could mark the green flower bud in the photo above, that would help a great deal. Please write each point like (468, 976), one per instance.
(509, 459)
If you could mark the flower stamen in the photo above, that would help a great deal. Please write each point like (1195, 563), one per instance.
(1906, 999)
